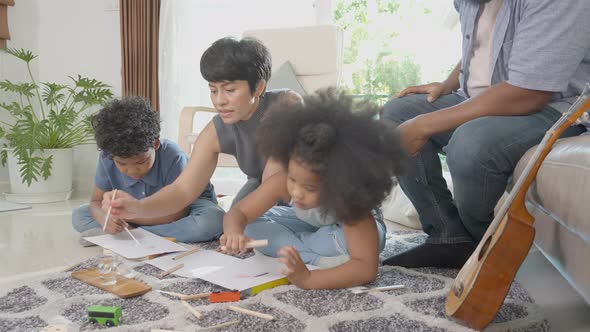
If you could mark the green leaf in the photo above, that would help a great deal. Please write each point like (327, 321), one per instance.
(23, 89)
(4, 156)
(46, 167)
(26, 56)
(52, 95)
(30, 168)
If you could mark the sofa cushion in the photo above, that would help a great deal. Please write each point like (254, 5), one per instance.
(561, 186)
(285, 78)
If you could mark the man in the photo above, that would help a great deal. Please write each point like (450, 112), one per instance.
(523, 63)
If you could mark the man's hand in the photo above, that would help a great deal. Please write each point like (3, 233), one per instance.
(233, 243)
(296, 271)
(123, 206)
(413, 135)
(433, 90)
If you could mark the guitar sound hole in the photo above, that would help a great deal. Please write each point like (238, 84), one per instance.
(458, 288)
(484, 248)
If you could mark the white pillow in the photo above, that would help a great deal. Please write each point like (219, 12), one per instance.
(397, 207)
(285, 78)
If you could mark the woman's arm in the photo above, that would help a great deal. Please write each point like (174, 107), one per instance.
(183, 191)
(115, 225)
(363, 247)
(251, 207)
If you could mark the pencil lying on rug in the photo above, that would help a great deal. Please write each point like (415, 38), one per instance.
(186, 253)
(106, 220)
(251, 244)
(186, 297)
(170, 270)
(250, 312)
(363, 289)
(192, 310)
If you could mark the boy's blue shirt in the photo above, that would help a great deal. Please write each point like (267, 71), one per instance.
(169, 163)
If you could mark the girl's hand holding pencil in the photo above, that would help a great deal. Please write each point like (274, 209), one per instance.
(296, 271)
(233, 243)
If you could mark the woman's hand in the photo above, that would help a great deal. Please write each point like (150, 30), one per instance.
(123, 206)
(296, 271)
(433, 90)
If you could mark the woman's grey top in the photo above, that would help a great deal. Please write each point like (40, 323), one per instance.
(239, 139)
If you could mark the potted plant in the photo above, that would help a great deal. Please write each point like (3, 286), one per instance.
(45, 122)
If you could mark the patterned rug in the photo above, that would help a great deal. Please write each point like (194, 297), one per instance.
(57, 298)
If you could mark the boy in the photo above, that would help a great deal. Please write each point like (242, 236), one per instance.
(135, 160)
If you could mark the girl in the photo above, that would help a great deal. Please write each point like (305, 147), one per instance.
(339, 166)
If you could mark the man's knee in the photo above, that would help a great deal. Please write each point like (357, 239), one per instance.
(470, 148)
(402, 109)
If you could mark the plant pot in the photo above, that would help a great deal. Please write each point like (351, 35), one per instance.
(57, 187)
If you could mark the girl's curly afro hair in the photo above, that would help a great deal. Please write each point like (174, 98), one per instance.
(355, 155)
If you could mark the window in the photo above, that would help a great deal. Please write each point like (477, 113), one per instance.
(390, 45)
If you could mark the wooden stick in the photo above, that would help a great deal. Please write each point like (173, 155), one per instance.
(195, 296)
(192, 310)
(251, 312)
(251, 244)
(386, 288)
(172, 269)
(170, 293)
(106, 220)
(186, 253)
(226, 324)
(133, 237)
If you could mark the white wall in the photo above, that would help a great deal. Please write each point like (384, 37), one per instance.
(70, 37)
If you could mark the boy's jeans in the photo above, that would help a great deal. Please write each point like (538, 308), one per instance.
(481, 155)
(203, 223)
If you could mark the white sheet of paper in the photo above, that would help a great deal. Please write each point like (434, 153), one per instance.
(124, 245)
(196, 265)
(224, 270)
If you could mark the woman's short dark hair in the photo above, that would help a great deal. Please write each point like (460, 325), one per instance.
(231, 59)
(355, 155)
(126, 127)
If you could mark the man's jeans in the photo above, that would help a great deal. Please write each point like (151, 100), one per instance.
(481, 155)
(203, 223)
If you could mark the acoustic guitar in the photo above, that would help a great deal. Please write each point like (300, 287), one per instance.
(482, 284)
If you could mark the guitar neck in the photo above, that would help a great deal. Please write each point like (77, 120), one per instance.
(516, 200)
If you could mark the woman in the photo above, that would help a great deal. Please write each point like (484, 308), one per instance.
(237, 72)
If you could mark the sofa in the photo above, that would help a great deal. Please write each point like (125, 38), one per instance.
(559, 201)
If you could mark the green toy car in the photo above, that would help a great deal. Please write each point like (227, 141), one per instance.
(103, 315)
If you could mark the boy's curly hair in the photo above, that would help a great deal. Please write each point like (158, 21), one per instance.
(355, 155)
(126, 127)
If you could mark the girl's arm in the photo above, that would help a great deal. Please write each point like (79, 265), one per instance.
(250, 208)
(363, 247)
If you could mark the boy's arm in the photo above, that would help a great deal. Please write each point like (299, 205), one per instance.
(251, 207)
(363, 247)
